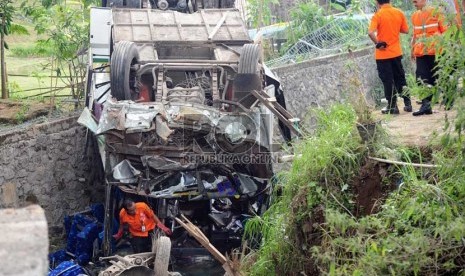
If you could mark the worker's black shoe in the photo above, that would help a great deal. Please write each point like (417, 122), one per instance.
(393, 110)
(408, 108)
(425, 109)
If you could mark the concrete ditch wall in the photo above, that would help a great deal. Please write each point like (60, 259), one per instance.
(47, 164)
(324, 81)
(24, 242)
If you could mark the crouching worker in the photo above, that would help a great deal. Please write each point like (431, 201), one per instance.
(140, 221)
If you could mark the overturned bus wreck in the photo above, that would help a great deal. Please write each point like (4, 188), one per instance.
(183, 109)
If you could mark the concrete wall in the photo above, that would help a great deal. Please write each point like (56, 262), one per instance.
(46, 164)
(24, 242)
(323, 81)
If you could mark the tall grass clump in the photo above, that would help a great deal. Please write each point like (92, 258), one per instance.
(329, 160)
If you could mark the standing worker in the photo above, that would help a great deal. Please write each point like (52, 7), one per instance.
(428, 23)
(385, 28)
(141, 221)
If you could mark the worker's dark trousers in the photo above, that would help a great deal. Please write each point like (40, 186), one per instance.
(141, 244)
(392, 75)
(426, 71)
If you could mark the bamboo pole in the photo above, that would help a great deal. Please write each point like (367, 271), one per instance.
(2, 57)
(403, 163)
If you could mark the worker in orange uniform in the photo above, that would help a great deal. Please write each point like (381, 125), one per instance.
(384, 30)
(141, 221)
(428, 23)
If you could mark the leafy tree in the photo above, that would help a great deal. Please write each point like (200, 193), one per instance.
(7, 27)
(66, 26)
(306, 17)
(259, 12)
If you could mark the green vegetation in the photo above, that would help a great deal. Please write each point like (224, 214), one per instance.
(7, 11)
(259, 12)
(21, 115)
(38, 50)
(319, 224)
(50, 61)
(314, 226)
(451, 68)
(329, 160)
(66, 28)
(306, 17)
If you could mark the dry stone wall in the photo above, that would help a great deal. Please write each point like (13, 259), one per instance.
(48, 164)
(324, 81)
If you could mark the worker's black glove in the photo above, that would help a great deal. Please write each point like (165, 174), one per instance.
(381, 45)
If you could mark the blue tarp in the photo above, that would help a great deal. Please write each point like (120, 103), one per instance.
(67, 268)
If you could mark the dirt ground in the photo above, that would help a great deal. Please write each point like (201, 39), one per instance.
(13, 112)
(416, 131)
(406, 130)
(368, 190)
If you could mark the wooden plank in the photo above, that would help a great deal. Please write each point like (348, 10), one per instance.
(276, 109)
(277, 106)
(201, 238)
(150, 24)
(179, 26)
(132, 26)
(218, 25)
(271, 99)
(227, 268)
(207, 27)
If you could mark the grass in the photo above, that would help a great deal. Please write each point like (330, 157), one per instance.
(38, 50)
(329, 160)
(310, 228)
(26, 64)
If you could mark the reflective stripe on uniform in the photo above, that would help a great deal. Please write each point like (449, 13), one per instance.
(426, 26)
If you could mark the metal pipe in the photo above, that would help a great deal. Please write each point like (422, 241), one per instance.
(225, 90)
(221, 77)
(155, 82)
(177, 66)
(217, 62)
(108, 220)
